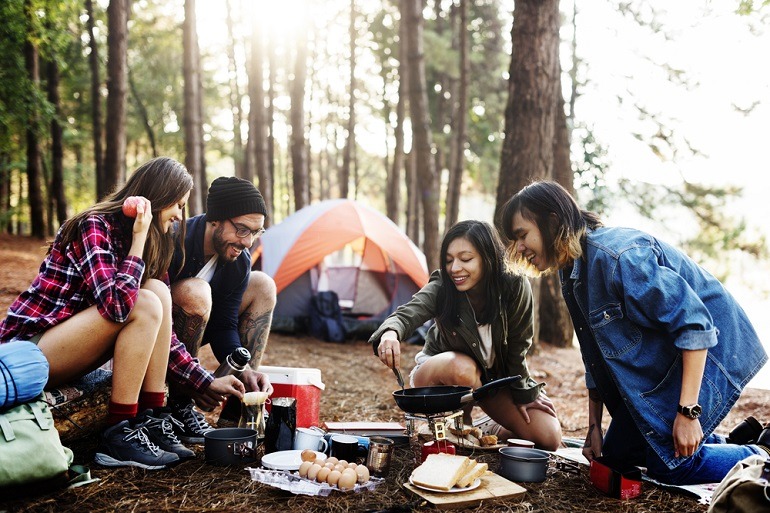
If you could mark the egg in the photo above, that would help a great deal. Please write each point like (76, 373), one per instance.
(349, 472)
(332, 459)
(308, 455)
(344, 463)
(313, 471)
(352, 465)
(322, 475)
(304, 467)
(347, 481)
(363, 474)
(320, 458)
(339, 467)
(333, 477)
(329, 465)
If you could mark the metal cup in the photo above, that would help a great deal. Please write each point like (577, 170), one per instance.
(379, 455)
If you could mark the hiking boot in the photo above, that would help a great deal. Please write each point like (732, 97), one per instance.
(191, 425)
(124, 446)
(746, 432)
(161, 432)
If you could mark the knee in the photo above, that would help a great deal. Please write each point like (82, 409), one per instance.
(161, 290)
(261, 290)
(464, 371)
(550, 438)
(147, 308)
(192, 295)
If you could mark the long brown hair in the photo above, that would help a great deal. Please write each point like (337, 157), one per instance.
(161, 180)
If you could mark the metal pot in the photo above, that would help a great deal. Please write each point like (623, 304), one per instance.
(439, 399)
(230, 446)
(523, 465)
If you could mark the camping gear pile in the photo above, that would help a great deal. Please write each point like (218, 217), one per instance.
(344, 247)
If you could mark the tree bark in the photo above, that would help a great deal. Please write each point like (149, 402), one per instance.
(298, 155)
(422, 138)
(270, 124)
(256, 152)
(34, 188)
(193, 111)
(96, 104)
(117, 87)
(393, 192)
(351, 127)
(527, 152)
(459, 130)
(235, 96)
(57, 149)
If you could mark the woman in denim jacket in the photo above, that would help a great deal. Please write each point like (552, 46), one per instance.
(483, 331)
(667, 349)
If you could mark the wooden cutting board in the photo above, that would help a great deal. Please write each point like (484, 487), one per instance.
(492, 487)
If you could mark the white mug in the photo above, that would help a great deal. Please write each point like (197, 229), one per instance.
(310, 438)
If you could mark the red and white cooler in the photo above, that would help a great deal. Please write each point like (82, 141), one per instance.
(304, 385)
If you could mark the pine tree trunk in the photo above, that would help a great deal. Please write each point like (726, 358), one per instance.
(57, 150)
(270, 124)
(422, 138)
(527, 152)
(393, 192)
(298, 155)
(350, 143)
(34, 187)
(117, 89)
(96, 104)
(459, 129)
(235, 95)
(256, 152)
(193, 115)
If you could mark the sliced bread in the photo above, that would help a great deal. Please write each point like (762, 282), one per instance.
(474, 473)
(441, 471)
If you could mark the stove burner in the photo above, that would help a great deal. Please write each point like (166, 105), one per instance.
(436, 421)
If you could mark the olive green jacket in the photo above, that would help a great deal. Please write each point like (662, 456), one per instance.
(511, 332)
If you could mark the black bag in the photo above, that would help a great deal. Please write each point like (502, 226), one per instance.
(326, 317)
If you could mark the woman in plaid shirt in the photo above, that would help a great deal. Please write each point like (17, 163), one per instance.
(102, 293)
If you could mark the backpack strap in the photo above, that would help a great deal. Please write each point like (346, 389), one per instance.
(44, 422)
(5, 427)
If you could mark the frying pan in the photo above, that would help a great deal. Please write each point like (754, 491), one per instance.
(439, 399)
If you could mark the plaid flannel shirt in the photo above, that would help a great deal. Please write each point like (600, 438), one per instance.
(95, 269)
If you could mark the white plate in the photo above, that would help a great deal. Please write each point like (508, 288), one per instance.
(455, 489)
(285, 460)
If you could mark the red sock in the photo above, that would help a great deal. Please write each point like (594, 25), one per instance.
(151, 400)
(118, 412)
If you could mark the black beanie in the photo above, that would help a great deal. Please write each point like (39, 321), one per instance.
(232, 197)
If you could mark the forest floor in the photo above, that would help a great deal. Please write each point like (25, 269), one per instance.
(358, 388)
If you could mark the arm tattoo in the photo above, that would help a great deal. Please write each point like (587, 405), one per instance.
(253, 330)
(188, 328)
(588, 437)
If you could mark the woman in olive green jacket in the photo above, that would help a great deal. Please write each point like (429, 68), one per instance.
(483, 330)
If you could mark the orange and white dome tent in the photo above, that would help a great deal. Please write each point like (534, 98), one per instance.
(344, 246)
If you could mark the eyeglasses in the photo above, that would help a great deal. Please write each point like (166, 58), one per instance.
(243, 231)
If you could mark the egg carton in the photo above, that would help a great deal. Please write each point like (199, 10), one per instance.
(292, 482)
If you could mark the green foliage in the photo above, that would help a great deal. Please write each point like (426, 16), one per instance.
(590, 165)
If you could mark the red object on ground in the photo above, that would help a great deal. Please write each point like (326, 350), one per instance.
(616, 480)
(436, 446)
(301, 383)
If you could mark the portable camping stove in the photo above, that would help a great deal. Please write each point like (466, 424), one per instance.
(437, 422)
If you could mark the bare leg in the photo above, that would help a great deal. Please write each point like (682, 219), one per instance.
(256, 315)
(86, 340)
(453, 368)
(155, 378)
(191, 310)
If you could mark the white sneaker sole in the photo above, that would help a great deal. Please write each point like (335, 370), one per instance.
(108, 461)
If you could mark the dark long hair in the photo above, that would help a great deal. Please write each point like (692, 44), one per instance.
(492, 252)
(561, 221)
(161, 180)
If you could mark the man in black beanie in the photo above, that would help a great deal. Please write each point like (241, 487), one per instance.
(217, 298)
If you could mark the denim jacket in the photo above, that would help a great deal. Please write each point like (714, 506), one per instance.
(636, 303)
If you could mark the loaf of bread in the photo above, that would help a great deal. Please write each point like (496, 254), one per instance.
(441, 471)
(474, 473)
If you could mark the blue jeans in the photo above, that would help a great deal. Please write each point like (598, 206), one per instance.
(709, 464)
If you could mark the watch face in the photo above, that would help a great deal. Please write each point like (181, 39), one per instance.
(692, 412)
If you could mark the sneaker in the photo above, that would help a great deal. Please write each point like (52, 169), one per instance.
(161, 432)
(124, 446)
(191, 425)
(488, 426)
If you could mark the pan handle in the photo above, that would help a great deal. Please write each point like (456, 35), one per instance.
(484, 390)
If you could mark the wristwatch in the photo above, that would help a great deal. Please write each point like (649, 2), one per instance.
(692, 411)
